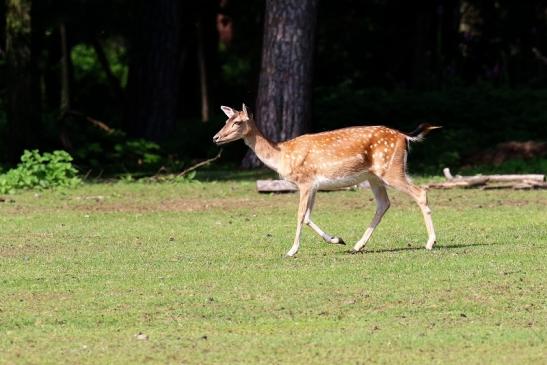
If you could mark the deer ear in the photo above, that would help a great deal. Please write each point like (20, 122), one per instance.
(228, 111)
(244, 110)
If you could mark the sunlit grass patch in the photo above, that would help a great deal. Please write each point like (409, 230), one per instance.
(198, 269)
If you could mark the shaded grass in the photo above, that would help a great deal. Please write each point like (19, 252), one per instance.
(198, 268)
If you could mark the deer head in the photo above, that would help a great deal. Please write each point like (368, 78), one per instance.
(238, 125)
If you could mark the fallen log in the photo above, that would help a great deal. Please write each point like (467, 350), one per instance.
(518, 186)
(447, 173)
(275, 186)
(283, 186)
(530, 185)
(513, 178)
(497, 186)
(460, 183)
(496, 178)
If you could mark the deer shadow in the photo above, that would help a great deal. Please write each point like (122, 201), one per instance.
(435, 248)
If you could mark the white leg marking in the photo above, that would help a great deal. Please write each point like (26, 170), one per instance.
(305, 194)
(426, 212)
(382, 205)
(420, 196)
(307, 220)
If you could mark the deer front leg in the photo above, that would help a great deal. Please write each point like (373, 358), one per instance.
(307, 220)
(305, 193)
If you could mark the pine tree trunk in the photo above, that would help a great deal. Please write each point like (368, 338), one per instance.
(151, 103)
(204, 93)
(284, 88)
(20, 107)
(65, 73)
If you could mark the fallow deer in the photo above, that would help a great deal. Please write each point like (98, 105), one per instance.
(335, 159)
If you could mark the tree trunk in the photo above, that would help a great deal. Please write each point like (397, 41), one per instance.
(20, 107)
(153, 75)
(2, 28)
(200, 67)
(65, 73)
(284, 88)
(202, 75)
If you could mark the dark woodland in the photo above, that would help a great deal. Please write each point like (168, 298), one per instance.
(136, 86)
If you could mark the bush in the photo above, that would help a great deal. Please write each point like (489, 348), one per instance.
(115, 153)
(40, 171)
(516, 166)
(112, 152)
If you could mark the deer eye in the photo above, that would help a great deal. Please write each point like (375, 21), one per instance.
(237, 122)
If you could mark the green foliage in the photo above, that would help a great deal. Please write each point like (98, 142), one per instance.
(17, 18)
(114, 152)
(140, 150)
(519, 166)
(236, 70)
(138, 159)
(91, 89)
(87, 68)
(3, 124)
(84, 60)
(40, 171)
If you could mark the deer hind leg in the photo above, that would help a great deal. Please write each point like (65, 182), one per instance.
(420, 196)
(307, 220)
(306, 195)
(382, 205)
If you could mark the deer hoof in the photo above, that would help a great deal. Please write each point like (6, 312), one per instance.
(354, 251)
(429, 245)
(338, 241)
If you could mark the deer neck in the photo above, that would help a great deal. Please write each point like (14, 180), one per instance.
(266, 150)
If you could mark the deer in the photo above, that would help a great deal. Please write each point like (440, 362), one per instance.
(335, 159)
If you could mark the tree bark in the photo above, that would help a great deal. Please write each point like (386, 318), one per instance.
(284, 88)
(204, 94)
(65, 72)
(153, 75)
(20, 109)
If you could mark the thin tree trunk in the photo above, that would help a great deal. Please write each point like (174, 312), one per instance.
(151, 102)
(202, 74)
(20, 109)
(210, 45)
(65, 72)
(284, 89)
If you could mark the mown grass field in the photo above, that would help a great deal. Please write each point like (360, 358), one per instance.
(197, 269)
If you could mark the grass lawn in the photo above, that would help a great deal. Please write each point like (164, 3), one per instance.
(197, 269)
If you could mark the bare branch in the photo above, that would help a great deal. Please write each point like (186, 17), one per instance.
(191, 168)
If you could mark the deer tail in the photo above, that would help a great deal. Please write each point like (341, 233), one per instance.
(420, 132)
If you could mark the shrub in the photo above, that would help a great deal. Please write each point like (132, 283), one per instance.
(516, 166)
(40, 171)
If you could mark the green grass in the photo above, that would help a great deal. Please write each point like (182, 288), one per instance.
(198, 268)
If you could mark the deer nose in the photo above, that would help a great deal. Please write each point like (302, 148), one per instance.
(216, 138)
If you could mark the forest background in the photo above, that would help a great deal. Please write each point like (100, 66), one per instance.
(135, 86)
